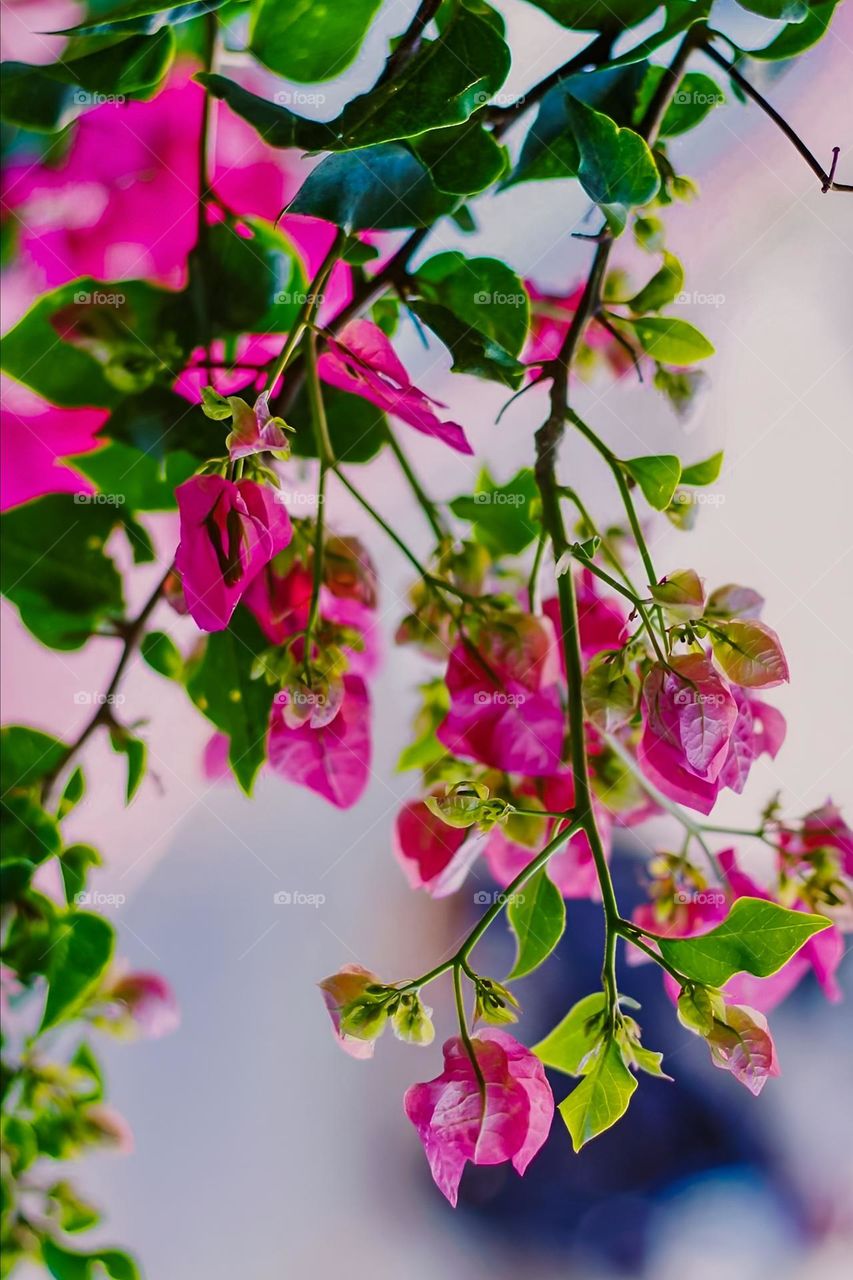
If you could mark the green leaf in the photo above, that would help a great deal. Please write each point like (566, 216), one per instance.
(55, 569)
(144, 17)
(472, 351)
(157, 423)
(357, 429)
(483, 293)
(597, 15)
(443, 84)
(682, 594)
(750, 653)
(501, 514)
(89, 1082)
(664, 286)
(63, 1264)
(162, 655)
(306, 41)
(789, 10)
(658, 477)
(695, 96)
(462, 160)
(26, 756)
(670, 341)
(134, 479)
(75, 964)
(601, 1098)
(796, 37)
(616, 166)
(568, 1046)
(137, 754)
(15, 877)
(74, 863)
(537, 917)
(701, 473)
(237, 705)
(382, 188)
(119, 337)
(756, 937)
(72, 793)
(28, 830)
(260, 285)
(43, 97)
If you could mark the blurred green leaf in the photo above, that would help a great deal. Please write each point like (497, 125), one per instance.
(502, 515)
(77, 960)
(657, 476)
(306, 41)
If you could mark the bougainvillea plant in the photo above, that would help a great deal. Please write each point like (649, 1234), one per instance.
(217, 315)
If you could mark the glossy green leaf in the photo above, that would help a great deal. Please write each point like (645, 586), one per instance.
(696, 95)
(472, 351)
(75, 964)
(568, 1046)
(664, 286)
(658, 477)
(796, 37)
(135, 479)
(501, 515)
(670, 341)
(483, 293)
(463, 160)
(144, 17)
(259, 282)
(788, 10)
(238, 706)
(382, 188)
(537, 917)
(55, 569)
(705, 472)
(601, 1098)
(550, 149)
(74, 863)
(125, 335)
(756, 937)
(597, 15)
(616, 166)
(306, 41)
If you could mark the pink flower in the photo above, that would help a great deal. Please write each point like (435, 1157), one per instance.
(456, 1123)
(433, 855)
(35, 438)
(340, 990)
(689, 714)
(744, 1046)
(142, 1003)
(601, 620)
(823, 828)
(333, 760)
(255, 430)
(505, 708)
(551, 316)
(362, 360)
(228, 533)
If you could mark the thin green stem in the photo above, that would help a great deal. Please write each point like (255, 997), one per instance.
(463, 1029)
(628, 594)
(534, 594)
(632, 935)
(606, 549)
(307, 312)
(424, 502)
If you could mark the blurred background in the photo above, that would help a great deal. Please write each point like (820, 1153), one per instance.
(261, 1150)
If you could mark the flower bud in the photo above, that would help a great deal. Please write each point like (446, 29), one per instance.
(411, 1020)
(494, 1003)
